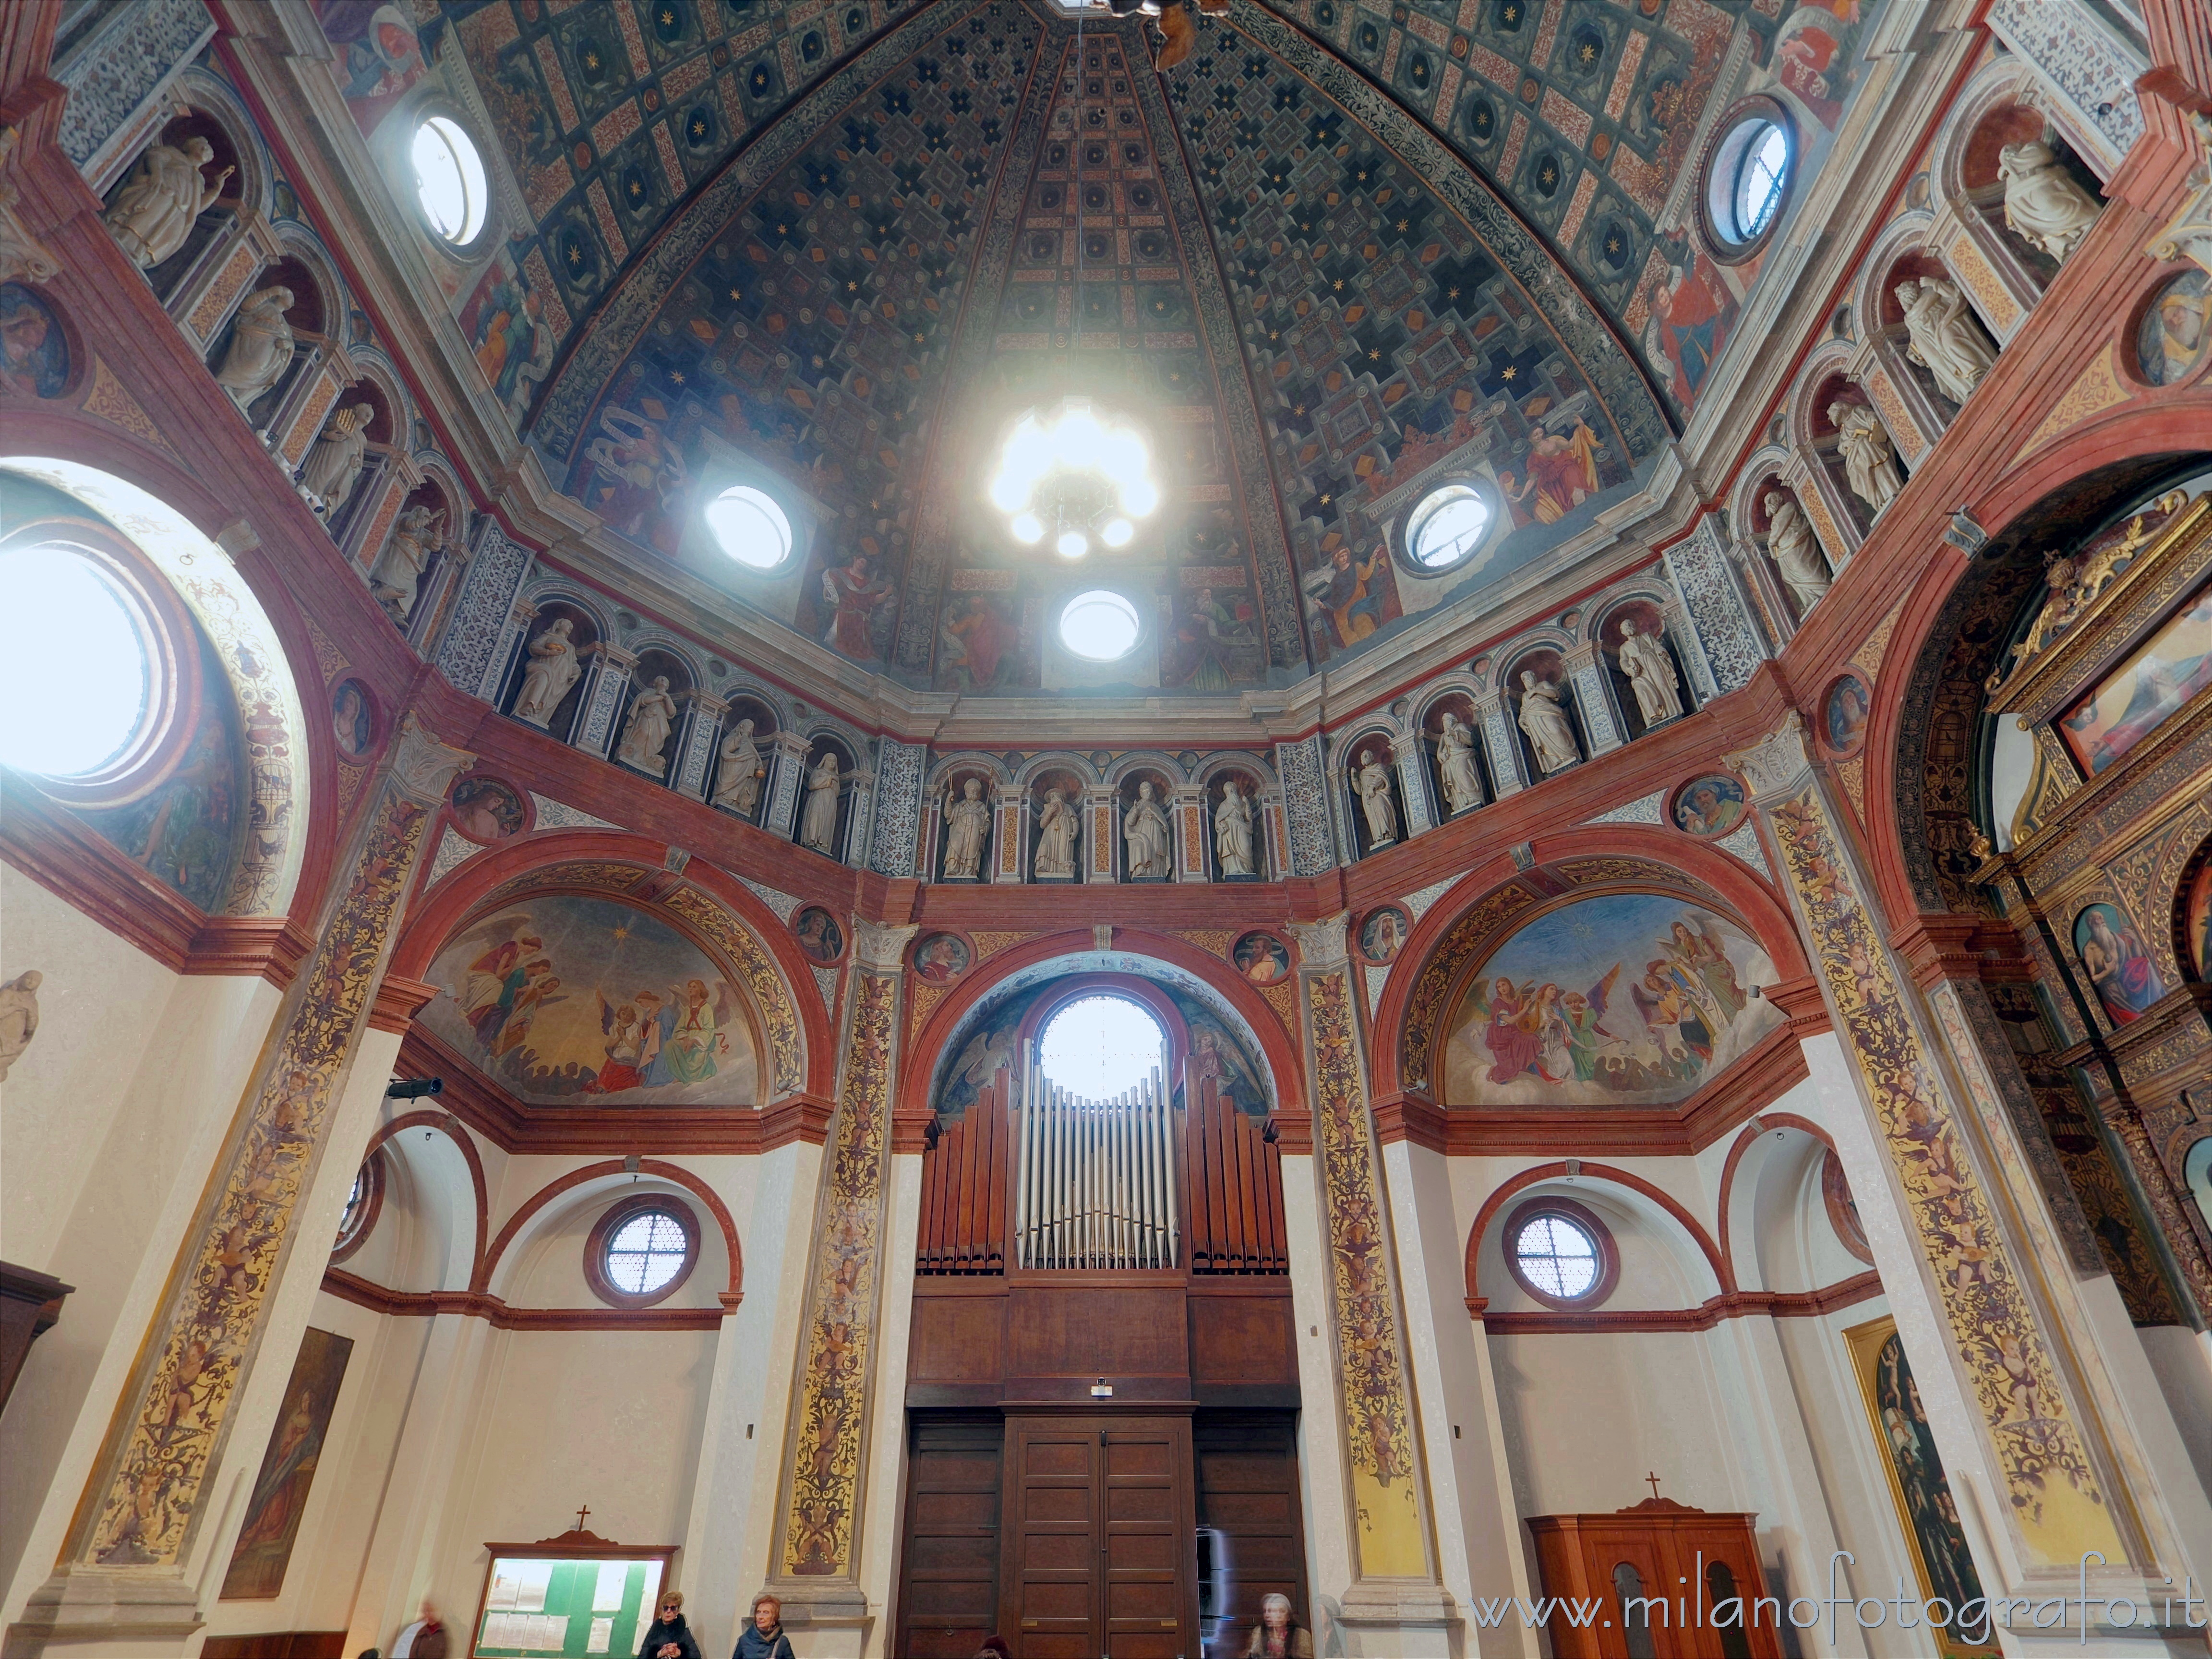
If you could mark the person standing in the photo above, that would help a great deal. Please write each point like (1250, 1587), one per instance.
(763, 1638)
(429, 1641)
(1277, 1635)
(668, 1636)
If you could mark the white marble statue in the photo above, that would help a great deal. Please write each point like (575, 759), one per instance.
(1057, 823)
(652, 717)
(23, 257)
(1145, 829)
(415, 535)
(19, 1017)
(1869, 458)
(738, 784)
(334, 463)
(967, 831)
(553, 667)
(1544, 718)
(1372, 783)
(2042, 201)
(1455, 766)
(1650, 673)
(1789, 544)
(1232, 831)
(153, 211)
(1944, 338)
(260, 349)
(817, 824)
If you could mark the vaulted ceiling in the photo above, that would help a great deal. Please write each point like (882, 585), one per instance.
(1339, 251)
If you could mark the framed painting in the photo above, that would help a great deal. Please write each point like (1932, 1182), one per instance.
(1917, 1486)
(2155, 681)
(263, 1549)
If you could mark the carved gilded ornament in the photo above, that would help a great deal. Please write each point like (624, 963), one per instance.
(150, 1502)
(825, 1461)
(2052, 1490)
(1378, 1414)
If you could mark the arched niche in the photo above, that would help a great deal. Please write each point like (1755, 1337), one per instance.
(1787, 1221)
(1647, 612)
(824, 745)
(312, 319)
(430, 1229)
(1460, 699)
(1055, 852)
(1371, 796)
(536, 1259)
(1668, 1260)
(1547, 659)
(655, 664)
(525, 695)
(1215, 778)
(1152, 856)
(207, 244)
(738, 785)
(948, 787)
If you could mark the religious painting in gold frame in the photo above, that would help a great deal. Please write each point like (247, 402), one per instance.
(1917, 1486)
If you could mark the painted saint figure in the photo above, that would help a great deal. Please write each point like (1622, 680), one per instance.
(552, 669)
(1057, 823)
(1145, 830)
(1790, 542)
(1456, 767)
(1232, 831)
(1869, 458)
(1371, 782)
(1945, 339)
(856, 599)
(154, 212)
(1650, 673)
(1544, 718)
(738, 785)
(817, 824)
(2127, 980)
(652, 717)
(967, 829)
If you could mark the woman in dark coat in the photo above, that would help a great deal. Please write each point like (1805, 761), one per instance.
(763, 1637)
(668, 1636)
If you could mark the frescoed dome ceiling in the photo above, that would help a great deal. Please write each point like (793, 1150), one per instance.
(1338, 253)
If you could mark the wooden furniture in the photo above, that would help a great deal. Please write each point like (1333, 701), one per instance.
(578, 1596)
(1694, 1561)
(30, 1306)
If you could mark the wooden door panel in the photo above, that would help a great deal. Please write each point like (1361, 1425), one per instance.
(1151, 1568)
(1051, 1561)
(949, 1563)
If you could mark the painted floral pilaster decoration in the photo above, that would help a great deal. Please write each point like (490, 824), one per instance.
(1388, 1523)
(146, 1500)
(821, 1524)
(2056, 1506)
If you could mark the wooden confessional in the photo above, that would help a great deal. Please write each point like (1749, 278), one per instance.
(1102, 1390)
(1689, 1561)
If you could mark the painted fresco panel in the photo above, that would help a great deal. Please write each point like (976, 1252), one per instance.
(567, 998)
(2142, 693)
(1627, 1000)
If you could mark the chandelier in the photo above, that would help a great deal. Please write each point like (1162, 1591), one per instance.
(1069, 474)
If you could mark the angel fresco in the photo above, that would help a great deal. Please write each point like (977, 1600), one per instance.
(1573, 1012)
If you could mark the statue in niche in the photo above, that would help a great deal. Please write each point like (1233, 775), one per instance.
(1232, 831)
(554, 667)
(1372, 784)
(1650, 673)
(1544, 718)
(1944, 338)
(153, 213)
(652, 717)
(19, 1017)
(334, 463)
(1057, 823)
(738, 785)
(967, 831)
(415, 535)
(2042, 201)
(1456, 767)
(260, 349)
(1789, 544)
(817, 824)
(1145, 829)
(1869, 458)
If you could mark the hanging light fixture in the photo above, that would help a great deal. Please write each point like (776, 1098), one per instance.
(1068, 473)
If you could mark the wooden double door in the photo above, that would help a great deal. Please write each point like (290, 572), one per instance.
(1094, 1523)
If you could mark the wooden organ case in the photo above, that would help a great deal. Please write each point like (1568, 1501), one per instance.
(1070, 1247)
(1689, 1563)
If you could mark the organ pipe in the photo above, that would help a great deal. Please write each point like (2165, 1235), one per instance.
(1095, 1180)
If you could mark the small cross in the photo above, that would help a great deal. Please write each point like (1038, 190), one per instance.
(581, 1513)
(1652, 1478)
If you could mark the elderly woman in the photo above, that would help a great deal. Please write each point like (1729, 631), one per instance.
(1278, 1636)
(668, 1636)
(763, 1638)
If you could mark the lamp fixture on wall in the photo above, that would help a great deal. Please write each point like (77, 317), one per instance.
(1067, 475)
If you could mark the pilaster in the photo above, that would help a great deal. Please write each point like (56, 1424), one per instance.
(607, 678)
(694, 742)
(786, 783)
(1101, 831)
(488, 617)
(1009, 832)
(1492, 716)
(1601, 723)
(1186, 812)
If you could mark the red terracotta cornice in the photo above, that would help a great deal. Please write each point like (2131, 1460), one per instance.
(1410, 1115)
(1293, 1132)
(482, 1304)
(397, 1001)
(1728, 1304)
(1801, 1003)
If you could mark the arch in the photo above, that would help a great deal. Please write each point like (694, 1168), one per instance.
(1056, 759)
(639, 641)
(1600, 610)
(1175, 1031)
(207, 95)
(966, 762)
(796, 1049)
(1138, 760)
(1768, 465)
(932, 1044)
(455, 1130)
(256, 662)
(1498, 893)
(1907, 234)
(543, 590)
(1724, 1278)
(512, 1232)
(1760, 1124)
(1214, 761)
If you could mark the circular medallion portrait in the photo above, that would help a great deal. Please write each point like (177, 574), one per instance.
(1262, 958)
(1382, 934)
(1844, 712)
(353, 717)
(1710, 806)
(2176, 328)
(819, 935)
(941, 958)
(485, 809)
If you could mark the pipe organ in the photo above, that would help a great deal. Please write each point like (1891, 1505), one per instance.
(1095, 1180)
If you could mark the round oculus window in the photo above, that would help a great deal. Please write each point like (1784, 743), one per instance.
(80, 628)
(1098, 1047)
(1099, 626)
(646, 1252)
(1556, 1256)
(1747, 179)
(1448, 526)
(747, 525)
(449, 180)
